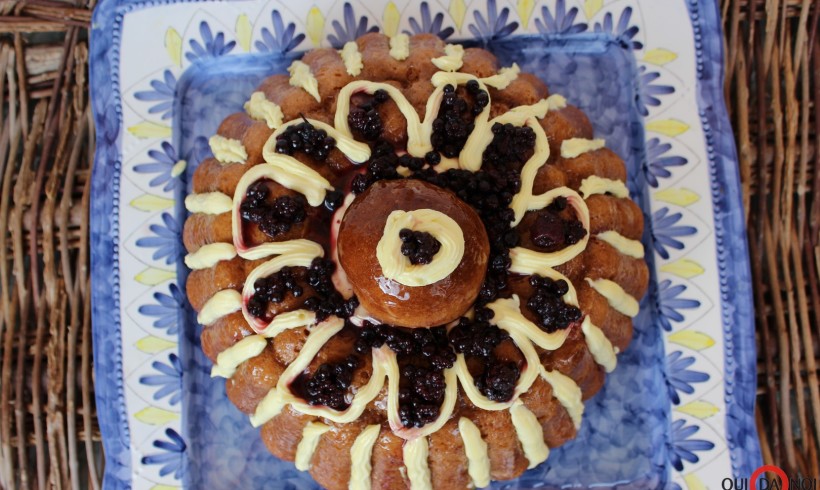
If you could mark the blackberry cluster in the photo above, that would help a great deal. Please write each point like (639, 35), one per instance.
(548, 305)
(272, 289)
(511, 147)
(382, 166)
(498, 381)
(428, 344)
(418, 246)
(455, 120)
(328, 385)
(364, 120)
(552, 232)
(384, 163)
(478, 338)
(422, 384)
(306, 138)
(327, 300)
(273, 218)
(421, 394)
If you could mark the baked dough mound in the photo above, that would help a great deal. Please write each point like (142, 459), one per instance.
(359, 377)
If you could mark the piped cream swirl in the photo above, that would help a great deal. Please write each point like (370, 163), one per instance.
(397, 267)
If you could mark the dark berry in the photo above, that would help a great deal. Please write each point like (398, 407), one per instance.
(498, 381)
(433, 158)
(328, 386)
(552, 232)
(476, 337)
(511, 146)
(333, 200)
(273, 218)
(273, 289)
(548, 305)
(418, 246)
(306, 138)
(366, 124)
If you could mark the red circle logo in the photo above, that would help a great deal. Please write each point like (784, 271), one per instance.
(774, 469)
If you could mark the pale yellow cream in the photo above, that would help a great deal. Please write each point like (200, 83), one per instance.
(397, 267)
(509, 317)
(400, 47)
(260, 108)
(311, 435)
(618, 299)
(600, 185)
(229, 359)
(599, 346)
(415, 459)
(452, 60)
(624, 245)
(503, 78)
(220, 304)
(352, 58)
(287, 321)
(208, 203)
(478, 459)
(360, 455)
(301, 76)
(572, 147)
(568, 394)
(227, 150)
(530, 434)
(209, 255)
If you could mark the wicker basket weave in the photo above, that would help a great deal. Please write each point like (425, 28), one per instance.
(48, 429)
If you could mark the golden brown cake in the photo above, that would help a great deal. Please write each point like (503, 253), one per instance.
(412, 265)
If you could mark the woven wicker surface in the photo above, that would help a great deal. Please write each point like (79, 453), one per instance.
(48, 429)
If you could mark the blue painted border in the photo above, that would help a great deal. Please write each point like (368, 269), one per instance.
(734, 271)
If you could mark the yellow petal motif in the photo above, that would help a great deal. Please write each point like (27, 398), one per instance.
(392, 16)
(150, 202)
(525, 8)
(692, 339)
(173, 45)
(679, 197)
(152, 345)
(693, 482)
(315, 25)
(164, 487)
(153, 276)
(659, 56)
(685, 268)
(147, 129)
(458, 10)
(155, 416)
(591, 7)
(699, 409)
(244, 31)
(668, 127)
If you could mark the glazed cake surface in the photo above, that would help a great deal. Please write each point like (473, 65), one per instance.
(376, 343)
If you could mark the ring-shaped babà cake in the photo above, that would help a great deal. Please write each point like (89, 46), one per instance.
(412, 265)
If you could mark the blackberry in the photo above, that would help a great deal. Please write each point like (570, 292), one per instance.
(418, 246)
(273, 289)
(273, 218)
(328, 385)
(432, 158)
(306, 138)
(455, 120)
(498, 381)
(412, 163)
(547, 304)
(511, 147)
(477, 337)
(421, 394)
(366, 125)
(364, 120)
(382, 166)
(552, 232)
(333, 200)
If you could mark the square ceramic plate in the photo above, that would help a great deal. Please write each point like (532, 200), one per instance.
(678, 410)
